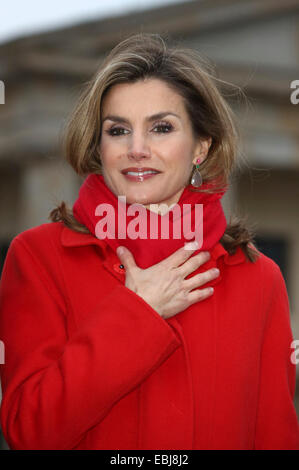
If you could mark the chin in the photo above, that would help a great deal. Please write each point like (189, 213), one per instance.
(138, 200)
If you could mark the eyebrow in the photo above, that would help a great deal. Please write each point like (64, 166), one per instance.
(148, 118)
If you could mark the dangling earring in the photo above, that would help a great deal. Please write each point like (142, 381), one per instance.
(196, 179)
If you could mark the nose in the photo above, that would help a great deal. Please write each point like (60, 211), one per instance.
(137, 156)
(138, 149)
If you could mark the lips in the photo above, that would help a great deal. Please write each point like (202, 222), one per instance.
(133, 171)
(139, 175)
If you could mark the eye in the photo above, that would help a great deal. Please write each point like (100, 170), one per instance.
(164, 126)
(112, 131)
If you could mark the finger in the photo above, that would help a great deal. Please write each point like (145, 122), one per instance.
(200, 279)
(199, 294)
(193, 263)
(181, 255)
(126, 257)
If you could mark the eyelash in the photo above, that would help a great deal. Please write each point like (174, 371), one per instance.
(162, 125)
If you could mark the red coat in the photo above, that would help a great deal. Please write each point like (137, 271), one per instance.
(90, 365)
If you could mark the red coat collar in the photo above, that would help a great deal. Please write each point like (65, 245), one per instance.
(71, 238)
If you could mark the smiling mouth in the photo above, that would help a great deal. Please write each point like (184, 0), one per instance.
(139, 175)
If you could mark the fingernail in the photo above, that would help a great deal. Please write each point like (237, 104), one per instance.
(191, 246)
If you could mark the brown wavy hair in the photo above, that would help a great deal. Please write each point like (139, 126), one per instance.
(193, 77)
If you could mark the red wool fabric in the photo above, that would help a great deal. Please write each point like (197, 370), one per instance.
(90, 365)
(149, 251)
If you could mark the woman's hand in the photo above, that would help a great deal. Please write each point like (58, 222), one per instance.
(163, 286)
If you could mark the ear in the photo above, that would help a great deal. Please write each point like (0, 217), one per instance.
(202, 150)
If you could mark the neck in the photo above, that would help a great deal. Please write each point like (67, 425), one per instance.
(163, 207)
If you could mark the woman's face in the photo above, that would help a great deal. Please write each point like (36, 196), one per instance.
(134, 140)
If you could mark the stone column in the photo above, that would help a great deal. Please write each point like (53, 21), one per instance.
(44, 185)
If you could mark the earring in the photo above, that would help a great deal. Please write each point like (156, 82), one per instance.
(196, 179)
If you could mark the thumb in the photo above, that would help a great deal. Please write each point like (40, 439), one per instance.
(125, 257)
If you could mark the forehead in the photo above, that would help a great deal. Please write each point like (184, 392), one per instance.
(144, 95)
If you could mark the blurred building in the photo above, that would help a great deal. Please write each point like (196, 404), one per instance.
(253, 44)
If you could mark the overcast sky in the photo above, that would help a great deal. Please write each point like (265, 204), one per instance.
(23, 17)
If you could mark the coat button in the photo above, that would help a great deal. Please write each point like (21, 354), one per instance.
(119, 268)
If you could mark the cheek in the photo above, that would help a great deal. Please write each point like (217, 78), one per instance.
(176, 148)
(178, 157)
(106, 145)
(109, 154)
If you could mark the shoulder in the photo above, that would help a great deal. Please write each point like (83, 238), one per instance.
(40, 241)
(33, 260)
(272, 283)
(268, 276)
(260, 281)
(40, 234)
(263, 270)
(38, 245)
(269, 269)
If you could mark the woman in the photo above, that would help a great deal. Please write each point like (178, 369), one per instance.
(116, 341)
